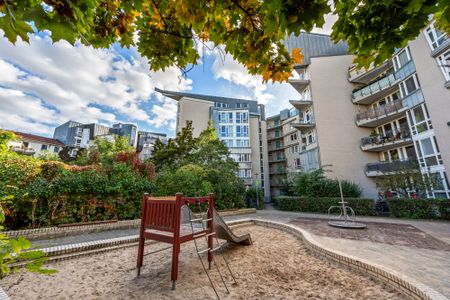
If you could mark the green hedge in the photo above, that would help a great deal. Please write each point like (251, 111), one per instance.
(420, 208)
(361, 206)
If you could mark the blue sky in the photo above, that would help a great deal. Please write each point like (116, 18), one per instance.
(44, 84)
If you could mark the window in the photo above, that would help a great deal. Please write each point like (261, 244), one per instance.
(228, 142)
(297, 163)
(294, 137)
(242, 143)
(434, 36)
(226, 131)
(409, 85)
(444, 63)
(56, 149)
(245, 173)
(402, 58)
(44, 147)
(241, 117)
(242, 131)
(220, 104)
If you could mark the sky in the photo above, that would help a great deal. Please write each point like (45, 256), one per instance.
(45, 84)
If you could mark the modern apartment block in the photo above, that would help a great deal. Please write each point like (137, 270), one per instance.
(77, 135)
(128, 130)
(146, 141)
(240, 125)
(283, 145)
(358, 122)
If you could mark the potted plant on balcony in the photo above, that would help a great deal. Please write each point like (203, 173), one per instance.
(374, 136)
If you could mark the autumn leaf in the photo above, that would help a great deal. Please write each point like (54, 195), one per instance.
(297, 55)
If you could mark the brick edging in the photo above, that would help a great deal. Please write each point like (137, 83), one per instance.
(53, 232)
(400, 282)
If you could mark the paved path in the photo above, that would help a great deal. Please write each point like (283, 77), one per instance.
(418, 249)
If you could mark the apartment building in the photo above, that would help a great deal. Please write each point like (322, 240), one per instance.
(240, 125)
(360, 123)
(146, 142)
(283, 145)
(77, 135)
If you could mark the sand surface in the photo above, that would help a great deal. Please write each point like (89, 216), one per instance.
(276, 266)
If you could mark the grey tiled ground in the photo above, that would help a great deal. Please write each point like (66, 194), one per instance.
(83, 238)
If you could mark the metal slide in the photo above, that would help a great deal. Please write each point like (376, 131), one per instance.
(224, 232)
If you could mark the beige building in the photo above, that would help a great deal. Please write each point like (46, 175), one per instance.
(240, 125)
(359, 123)
(34, 145)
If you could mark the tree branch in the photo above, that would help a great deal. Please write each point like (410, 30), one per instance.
(246, 11)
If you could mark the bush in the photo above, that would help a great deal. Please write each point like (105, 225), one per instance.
(420, 208)
(361, 206)
(59, 196)
(254, 196)
(315, 184)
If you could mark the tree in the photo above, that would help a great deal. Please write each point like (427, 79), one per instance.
(169, 32)
(176, 150)
(206, 158)
(104, 150)
(5, 137)
(407, 180)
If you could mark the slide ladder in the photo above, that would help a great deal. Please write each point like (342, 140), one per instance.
(210, 249)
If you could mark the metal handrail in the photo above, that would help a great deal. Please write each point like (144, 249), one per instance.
(390, 136)
(380, 111)
(384, 82)
(386, 167)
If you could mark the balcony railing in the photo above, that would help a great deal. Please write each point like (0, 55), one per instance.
(277, 171)
(386, 168)
(23, 150)
(377, 116)
(375, 87)
(277, 159)
(389, 140)
(374, 113)
(384, 83)
(363, 75)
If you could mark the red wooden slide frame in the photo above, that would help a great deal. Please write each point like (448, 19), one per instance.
(160, 221)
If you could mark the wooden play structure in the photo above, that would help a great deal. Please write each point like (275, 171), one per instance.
(161, 220)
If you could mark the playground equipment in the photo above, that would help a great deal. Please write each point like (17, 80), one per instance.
(161, 220)
(344, 220)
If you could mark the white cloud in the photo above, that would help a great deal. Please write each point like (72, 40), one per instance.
(52, 83)
(231, 70)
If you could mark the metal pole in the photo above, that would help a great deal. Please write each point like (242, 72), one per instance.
(257, 192)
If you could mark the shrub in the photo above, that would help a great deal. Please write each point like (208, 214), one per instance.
(315, 184)
(253, 196)
(361, 206)
(420, 208)
(65, 195)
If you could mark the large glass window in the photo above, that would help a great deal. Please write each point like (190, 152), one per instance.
(226, 131)
(402, 58)
(435, 36)
(444, 63)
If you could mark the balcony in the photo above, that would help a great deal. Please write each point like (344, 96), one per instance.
(388, 168)
(300, 84)
(304, 125)
(271, 137)
(382, 87)
(376, 117)
(385, 142)
(278, 183)
(364, 76)
(277, 160)
(277, 171)
(443, 46)
(275, 147)
(301, 104)
(273, 126)
(23, 150)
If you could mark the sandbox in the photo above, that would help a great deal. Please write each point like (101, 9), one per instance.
(276, 266)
